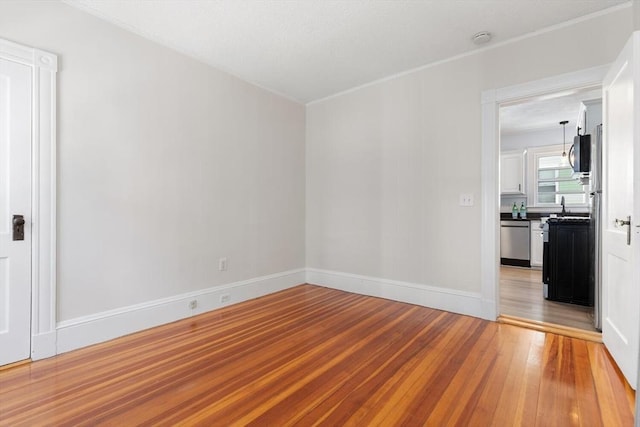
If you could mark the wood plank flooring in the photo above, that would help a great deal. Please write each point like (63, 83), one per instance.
(315, 356)
(521, 296)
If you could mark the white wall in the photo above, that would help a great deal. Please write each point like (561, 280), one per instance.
(533, 138)
(522, 141)
(165, 165)
(386, 163)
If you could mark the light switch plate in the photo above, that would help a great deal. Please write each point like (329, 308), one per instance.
(466, 199)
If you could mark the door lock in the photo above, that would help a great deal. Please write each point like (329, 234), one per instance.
(18, 227)
(627, 222)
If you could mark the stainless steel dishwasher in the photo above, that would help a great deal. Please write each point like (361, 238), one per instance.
(515, 245)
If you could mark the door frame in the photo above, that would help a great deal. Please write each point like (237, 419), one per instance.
(490, 178)
(44, 67)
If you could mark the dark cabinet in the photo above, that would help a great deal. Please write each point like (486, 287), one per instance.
(569, 262)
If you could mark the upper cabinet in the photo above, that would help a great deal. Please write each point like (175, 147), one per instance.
(590, 115)
(512, 172)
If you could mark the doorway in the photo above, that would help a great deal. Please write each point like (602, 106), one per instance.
(538, 182)
(38, 327)
(490, 155)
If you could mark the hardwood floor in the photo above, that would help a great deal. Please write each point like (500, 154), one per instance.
(315, 356)
(521, 296)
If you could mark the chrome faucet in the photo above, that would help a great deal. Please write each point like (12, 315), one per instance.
(562, 203)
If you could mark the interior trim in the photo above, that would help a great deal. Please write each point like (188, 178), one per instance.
(455, 301)
(552, 328)
(96, 328)
(490, 221)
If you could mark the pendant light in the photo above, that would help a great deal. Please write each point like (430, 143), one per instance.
(565, 160)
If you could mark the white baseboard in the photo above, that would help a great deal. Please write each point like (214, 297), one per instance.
(461, 302)
(100, 327)
(489, 310)
(43, 345)
(87, 330)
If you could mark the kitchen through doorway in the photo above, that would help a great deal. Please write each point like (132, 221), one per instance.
(542, 194)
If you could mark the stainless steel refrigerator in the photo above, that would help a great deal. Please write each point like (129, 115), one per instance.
(595, 188)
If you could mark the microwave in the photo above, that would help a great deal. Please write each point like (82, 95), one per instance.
(580, 153)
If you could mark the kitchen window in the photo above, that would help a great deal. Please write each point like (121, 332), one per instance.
(552, 179)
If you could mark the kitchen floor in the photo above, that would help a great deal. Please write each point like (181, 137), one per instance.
(521, 296)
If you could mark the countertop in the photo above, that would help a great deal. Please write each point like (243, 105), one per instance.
(536, 216)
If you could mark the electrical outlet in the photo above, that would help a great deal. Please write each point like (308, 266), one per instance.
(222, 264)
(224, 298)
(193, 304)
(466, 199)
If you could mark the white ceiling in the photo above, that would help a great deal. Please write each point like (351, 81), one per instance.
(545, 112)
(308, 50)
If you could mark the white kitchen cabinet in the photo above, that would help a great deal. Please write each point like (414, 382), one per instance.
(536, 244)
(590, 115)
(512, 172)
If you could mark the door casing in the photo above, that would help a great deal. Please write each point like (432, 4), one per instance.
(490, 230)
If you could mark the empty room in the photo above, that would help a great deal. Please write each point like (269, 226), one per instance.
(274, 213)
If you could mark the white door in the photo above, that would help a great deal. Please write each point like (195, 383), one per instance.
(15, 199)
(620, 285)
